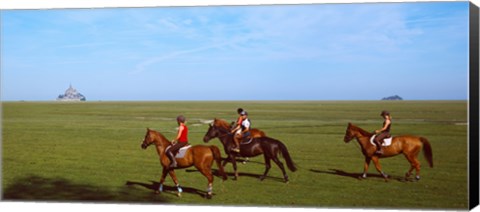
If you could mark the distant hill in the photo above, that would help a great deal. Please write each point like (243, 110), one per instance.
(71, 94)
(396, 97)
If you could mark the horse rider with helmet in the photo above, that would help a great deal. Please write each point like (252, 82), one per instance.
(242, 130)
(180, 141)
(384, 132)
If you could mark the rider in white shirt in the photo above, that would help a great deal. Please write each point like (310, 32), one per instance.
(242, 131)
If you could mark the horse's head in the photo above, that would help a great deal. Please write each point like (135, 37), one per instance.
(211, 133)
(349, 133)
(216, 129)
(149, 138)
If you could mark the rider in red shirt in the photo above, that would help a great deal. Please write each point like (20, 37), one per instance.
(180, 141)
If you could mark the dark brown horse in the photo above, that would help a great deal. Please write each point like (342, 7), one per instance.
(409, 145)
(269, 147)
(255, 133)
(200, 156)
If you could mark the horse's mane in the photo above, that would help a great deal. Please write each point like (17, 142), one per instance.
(221, 123)
(162, 137)
(361, 131)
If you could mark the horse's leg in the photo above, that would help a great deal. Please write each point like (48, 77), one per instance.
(412, 157)
(379, 167)
(205, 168)
(228, 159)
(174, 178)
(206, 171)
(246, 159)
(225, 161)
(365, 167)
(162, 180)
(267, 166)
(412, 166)
(234, 163)
(280, 165)
(417, 168)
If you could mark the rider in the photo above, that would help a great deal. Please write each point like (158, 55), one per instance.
(384, 132)
(239, 119)
(242, 130)
(180, 141)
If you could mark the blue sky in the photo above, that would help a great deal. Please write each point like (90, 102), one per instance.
(297, 52)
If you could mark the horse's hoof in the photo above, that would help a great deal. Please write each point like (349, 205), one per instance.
(417, 178)
(157, 192)
(208, 196)
(261, 178)
(179, 194)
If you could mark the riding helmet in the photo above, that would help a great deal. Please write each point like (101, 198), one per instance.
(181, 119)
(239, 110)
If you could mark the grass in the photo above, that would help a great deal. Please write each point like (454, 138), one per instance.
(90, 151)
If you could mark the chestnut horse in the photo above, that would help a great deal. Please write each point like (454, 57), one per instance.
(409, 145)
(200, 156)
(269, 147)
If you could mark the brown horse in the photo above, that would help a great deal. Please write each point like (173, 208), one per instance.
(254, 133)
(409, 145)
(269, 147)
(200, 156)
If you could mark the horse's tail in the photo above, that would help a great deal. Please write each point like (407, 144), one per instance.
(287, 157)
(217, 156)
(427, 151)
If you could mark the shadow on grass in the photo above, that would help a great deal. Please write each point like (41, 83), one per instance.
(36, 188)
(153, 186)
(240, 160)
(240, 174)
(357, 176)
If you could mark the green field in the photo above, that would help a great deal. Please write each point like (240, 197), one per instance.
(90, 152)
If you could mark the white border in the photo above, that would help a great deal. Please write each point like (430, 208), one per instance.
(62, 4)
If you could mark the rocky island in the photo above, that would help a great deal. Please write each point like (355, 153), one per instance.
(71, 94)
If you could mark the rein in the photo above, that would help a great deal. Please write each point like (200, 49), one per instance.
(226, 132)
(357, 143)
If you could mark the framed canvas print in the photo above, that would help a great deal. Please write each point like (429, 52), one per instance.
(240, 106)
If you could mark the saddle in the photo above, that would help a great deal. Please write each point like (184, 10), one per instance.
(181, 152)
(244, 141)
(386, 141)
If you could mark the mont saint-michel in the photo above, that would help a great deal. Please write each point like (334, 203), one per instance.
(71, 94)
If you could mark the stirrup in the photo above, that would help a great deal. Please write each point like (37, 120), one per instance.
(236, 149)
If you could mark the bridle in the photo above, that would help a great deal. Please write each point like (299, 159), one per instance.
(226, 132)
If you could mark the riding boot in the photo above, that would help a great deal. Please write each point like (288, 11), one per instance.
(379, 148)
(173, 162)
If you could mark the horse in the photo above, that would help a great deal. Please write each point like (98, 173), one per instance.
(200, 156)
(254, 133)
(409, 145)
(267, 146)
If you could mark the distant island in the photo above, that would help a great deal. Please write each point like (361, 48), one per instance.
(396, 97)
(71, 94)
